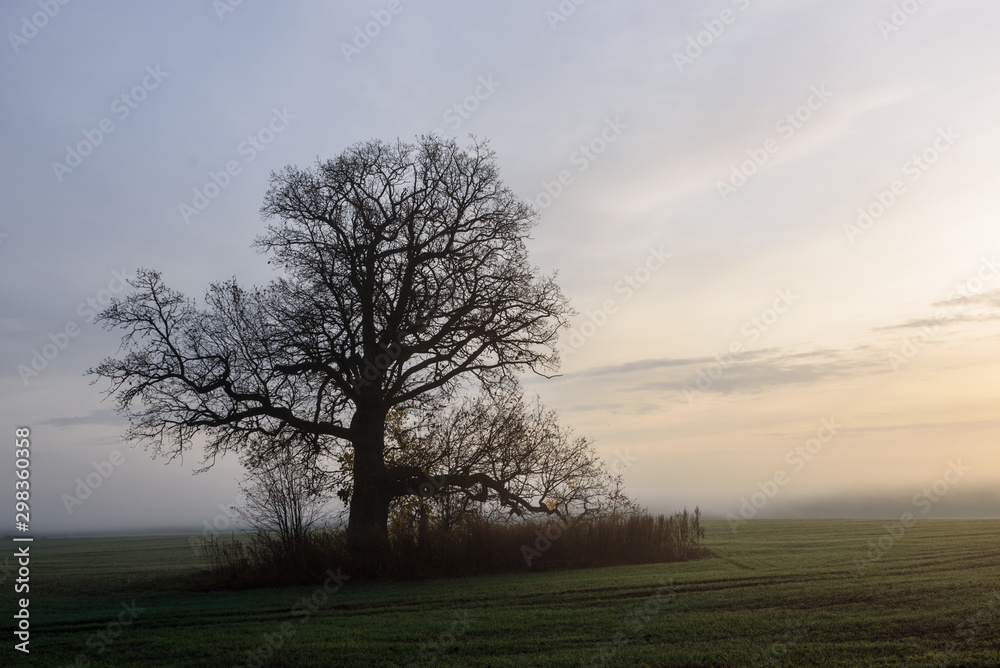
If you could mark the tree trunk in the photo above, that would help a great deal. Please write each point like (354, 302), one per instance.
(370, 498)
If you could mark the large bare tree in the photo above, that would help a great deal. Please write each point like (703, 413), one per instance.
(404, 277)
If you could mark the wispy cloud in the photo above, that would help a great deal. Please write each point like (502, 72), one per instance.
(17, 326)
(104, 416)
(751, 372)
(990, 299)
(963, 309)
(958, 319)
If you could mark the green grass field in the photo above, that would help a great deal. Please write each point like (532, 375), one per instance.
(777, 593)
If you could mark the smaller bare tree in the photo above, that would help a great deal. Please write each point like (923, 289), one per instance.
(499, 457)
(284, 500)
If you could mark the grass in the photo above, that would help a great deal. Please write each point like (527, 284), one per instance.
(776, 593)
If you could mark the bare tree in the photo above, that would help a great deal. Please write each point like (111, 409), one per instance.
(405, 274)
(503, 456)
(284, 500)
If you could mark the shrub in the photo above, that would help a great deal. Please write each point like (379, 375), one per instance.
(476, 547)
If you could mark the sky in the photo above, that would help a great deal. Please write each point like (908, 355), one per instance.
(776, 219)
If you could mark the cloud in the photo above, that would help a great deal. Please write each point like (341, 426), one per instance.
(104, 416)
(10, 326)
(977, 308)
(990, 299)
(631, 408)
(949, 428)
(747, 373)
